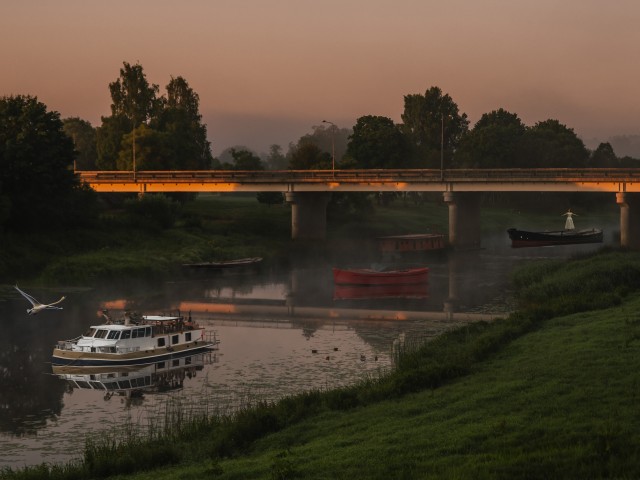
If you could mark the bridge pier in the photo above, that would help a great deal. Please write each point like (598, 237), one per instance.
(629, 219)
(464, 219)
(308, 214)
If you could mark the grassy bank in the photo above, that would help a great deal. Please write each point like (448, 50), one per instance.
(550, 392)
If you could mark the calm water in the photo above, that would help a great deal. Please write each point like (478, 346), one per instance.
(286, 334)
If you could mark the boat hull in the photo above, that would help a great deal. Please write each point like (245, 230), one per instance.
(374, 277)
(63, 357)
(523, 238)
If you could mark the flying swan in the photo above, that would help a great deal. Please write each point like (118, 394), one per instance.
(37, 307)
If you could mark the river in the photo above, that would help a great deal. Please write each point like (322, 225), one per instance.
(286, 334)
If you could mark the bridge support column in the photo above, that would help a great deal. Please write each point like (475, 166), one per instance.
(464, 219)
(629, 219)
(308, 214)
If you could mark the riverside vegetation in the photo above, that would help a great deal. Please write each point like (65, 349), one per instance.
(549, 392)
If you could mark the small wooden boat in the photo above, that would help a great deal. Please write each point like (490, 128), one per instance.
(412, 243)
(135, 340)
(356, 292)
(522, 238)
(380, 277)
(240, 262)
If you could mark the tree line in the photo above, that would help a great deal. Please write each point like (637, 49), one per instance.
(149, 131)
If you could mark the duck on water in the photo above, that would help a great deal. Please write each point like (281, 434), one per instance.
(135, 340)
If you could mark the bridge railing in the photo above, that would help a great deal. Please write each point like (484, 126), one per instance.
(371, 175)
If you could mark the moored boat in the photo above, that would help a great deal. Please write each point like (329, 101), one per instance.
(239, 262)
(412, 243)
(135, 340)
(363, 276)
(523, 238)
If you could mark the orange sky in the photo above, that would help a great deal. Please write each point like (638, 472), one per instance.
(267, 70)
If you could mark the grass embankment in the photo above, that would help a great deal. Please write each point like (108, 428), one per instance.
(550, 392)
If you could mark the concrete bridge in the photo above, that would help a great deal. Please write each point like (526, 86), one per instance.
(308, 191)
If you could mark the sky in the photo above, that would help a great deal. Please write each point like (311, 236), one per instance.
(267, 71)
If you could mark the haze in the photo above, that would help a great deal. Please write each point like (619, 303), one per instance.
(267, 71)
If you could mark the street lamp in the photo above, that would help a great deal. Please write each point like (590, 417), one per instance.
(442, 147)
(333, 147)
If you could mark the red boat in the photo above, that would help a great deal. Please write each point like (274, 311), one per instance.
(350, 292)
(365, 276)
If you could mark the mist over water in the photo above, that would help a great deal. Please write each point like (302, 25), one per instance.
(281, 332)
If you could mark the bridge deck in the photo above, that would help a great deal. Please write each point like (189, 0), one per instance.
(478, 180)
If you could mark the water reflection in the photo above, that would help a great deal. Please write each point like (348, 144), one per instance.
(133, 381)
(282, 330)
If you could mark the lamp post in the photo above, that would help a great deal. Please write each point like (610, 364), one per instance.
(442, 147)
(333, 148)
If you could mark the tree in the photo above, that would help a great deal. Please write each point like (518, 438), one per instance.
(433, 126)
(132, 96)
(308, 156)
(275, 159)
(109, 140)
(550, 144)
(36, 168)
(245, 160)
(494, 142)
(84, 139)
(329, 138)
(603, 156)
(377, 142)
(180, 119)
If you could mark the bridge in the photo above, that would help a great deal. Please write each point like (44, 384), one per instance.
(308, 191)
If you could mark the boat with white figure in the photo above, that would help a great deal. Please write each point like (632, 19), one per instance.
(135, 340)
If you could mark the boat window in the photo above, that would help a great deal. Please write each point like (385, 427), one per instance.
(187, 361)
(101, 333)
(161, 342)
(90, 332)
(113, 335)
(176, 362)
(138, 333)
(175, 339)
(160, 365)
(126, 334)
(147, 332)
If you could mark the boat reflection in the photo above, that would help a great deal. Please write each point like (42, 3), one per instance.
(134, 381)
(348, 292)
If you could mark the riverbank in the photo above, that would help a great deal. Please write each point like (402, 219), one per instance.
(225, 227)
(548, 393)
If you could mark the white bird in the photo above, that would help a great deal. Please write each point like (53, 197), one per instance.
(37, 307)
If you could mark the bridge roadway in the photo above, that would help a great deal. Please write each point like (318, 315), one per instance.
(308, 191)
(379, 180)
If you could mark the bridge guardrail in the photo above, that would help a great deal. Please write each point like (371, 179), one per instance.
(378, 175)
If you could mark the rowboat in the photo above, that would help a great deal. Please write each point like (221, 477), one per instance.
(135, 340)
(364, 276)
(522, 238)
(412, 243)
(239, 262)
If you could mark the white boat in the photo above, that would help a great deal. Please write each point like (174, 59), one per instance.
(135, 340)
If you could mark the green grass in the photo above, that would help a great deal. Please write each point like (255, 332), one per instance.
(560, 402)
